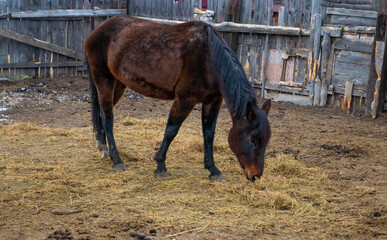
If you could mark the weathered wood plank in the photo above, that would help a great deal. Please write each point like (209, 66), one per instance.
(68, 13)
(246, 11)
(351, 57)
(246, 28)
(325, 53)
(356, 73)
(353, 46)
(46, 64)
(41, 44)
(347, 100)
(351, 21)
(352, 12)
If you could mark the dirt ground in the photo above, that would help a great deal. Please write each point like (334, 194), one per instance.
(347, 153)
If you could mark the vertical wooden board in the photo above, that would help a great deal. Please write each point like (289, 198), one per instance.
(243, 57)
(301, 75)
(72, 43)
(218, 12)
(158, 9)
(62, 39)
(19, 47)
(246, 8)
(299, 12)
(274, 67)
(27, 51)
(165, 9)
(132, 7)
(292, 13)
(210, 4)
(269, 20)
(347, 99)
(289, 72)
(252, 59)
(306, 14)
(180, 9)
(198, 4)
(4, 42)
(79, 4)
(169, 9)
(186, 9)
(175, 10)
(281, 16)
(192, 10)
(263, 12)
(286, 12)
(34, 32)
(260, 58)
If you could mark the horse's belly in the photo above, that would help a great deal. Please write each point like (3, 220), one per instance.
(154, 84)
(150, 88)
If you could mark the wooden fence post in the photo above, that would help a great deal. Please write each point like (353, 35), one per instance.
(269, 21)
(315, 37)
(375, 86)
(326, 46)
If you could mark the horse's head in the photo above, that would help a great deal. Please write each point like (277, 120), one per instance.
(249, 137)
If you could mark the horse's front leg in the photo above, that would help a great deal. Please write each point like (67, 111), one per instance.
(179, 112)
(210, 113)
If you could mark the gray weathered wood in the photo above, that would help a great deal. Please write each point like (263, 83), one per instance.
(325, 53)
(68, 13)
(351, 21)
(281, 16)
(265, 65)
(352, 12)
(317, 92)
(347, 100)
(353, 46)
(46, 64)
(41, 44)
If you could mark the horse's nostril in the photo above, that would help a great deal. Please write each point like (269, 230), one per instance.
(255, 176)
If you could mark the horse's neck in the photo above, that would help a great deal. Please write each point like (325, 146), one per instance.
(234, 99)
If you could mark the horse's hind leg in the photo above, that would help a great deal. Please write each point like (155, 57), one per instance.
(179, 112)
(106, 94)
(210, 113)
(119, 90)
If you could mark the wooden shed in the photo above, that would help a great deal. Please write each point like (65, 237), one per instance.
(318, 52)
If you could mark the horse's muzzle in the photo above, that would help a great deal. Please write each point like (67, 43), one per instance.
(257, 176)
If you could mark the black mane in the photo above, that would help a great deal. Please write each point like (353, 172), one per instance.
(236, 88)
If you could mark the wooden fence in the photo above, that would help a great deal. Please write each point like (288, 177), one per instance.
(316, 50)
(44, 38)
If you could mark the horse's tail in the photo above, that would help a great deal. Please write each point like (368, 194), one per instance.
(95, 107)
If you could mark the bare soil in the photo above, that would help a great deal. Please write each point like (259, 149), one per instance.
(350, 202)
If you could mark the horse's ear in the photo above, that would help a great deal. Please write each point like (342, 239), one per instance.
(266, 106)
(251, 112)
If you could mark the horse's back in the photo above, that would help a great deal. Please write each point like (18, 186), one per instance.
(152, 58)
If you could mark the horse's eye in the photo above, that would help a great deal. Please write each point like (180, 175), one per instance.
(253, 141)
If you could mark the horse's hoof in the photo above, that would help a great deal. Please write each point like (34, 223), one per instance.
(105, 154)
(119, 167)
(217, 178)
(160, 175)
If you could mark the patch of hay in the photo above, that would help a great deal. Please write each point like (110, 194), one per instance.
(45, 168)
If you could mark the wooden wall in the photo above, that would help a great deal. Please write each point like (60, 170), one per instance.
(37, 19)
(350, 55)
(312, 49)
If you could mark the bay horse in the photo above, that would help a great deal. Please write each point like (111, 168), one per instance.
(188, 63)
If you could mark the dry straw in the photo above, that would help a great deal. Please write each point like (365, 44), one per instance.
(47, 168)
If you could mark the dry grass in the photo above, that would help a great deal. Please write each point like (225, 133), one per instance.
(46, 168)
